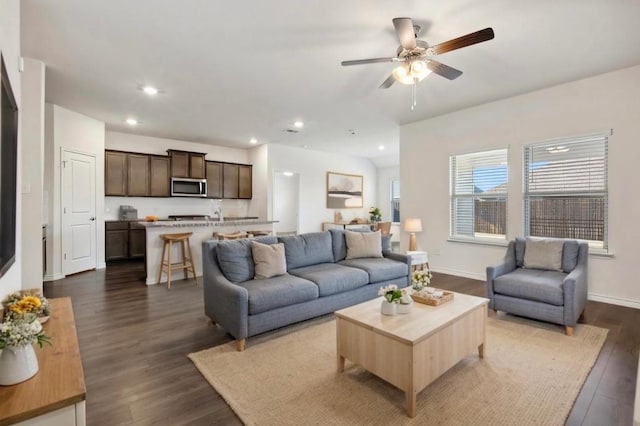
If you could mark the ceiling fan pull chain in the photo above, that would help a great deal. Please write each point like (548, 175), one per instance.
(414, 101)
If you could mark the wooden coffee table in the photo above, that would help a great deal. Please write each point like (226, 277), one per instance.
(410, 351)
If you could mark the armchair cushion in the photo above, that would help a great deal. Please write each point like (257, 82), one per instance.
(532, 284)
(543, 254)
(570, 255)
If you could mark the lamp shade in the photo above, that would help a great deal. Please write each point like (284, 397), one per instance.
(413, 225)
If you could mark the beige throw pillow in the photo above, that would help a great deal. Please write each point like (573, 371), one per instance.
(363, 244)
(268, 259)
(543, 254)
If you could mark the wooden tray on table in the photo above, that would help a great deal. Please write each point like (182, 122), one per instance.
(428, 299)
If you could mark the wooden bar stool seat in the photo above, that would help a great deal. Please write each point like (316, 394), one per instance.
(259, 233)
(232, 236)
(167, 265)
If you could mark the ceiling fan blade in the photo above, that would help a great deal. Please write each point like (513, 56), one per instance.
(406, 34)
(368, 61)
(387, 83)
(464, 41)
(443, 70)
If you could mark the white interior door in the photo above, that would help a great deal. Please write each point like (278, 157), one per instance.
(286, 201)
(78, 212)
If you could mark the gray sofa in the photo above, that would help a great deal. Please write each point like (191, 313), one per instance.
(557, 296)
(319, 280)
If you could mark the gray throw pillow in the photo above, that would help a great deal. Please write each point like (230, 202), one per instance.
(269, 260)
(543, 254)
(363, 244)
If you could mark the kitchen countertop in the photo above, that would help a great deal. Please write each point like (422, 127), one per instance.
(215, 223)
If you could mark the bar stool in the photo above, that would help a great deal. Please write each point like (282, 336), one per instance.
(259, 233)
(167, 266)
(233, 236)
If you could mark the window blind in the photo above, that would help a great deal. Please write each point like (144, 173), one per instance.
(565, 189)
(479, 194)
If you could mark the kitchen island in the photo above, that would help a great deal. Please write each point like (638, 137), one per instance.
(203, 230)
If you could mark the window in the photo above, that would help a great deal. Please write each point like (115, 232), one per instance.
(565, 189)
(479, 194)
(395, 200)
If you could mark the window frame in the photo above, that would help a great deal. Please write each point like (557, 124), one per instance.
(528, 195)
(499, 239)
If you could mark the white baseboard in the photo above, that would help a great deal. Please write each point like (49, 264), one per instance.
(620, 301)
(101, 265)
(53, 277)
(465, 274)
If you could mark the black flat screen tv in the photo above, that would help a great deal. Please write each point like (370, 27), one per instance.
(8, 173)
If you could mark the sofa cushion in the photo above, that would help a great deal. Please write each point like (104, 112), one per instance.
(268, 260)
(272, 293)
(235, 259)
(307, 249)
(532, 284)
(570, 255)
(363, 244)
(332, 278)
(543, 254)
(379, 269)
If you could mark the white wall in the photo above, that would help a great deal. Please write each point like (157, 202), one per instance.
(286, 201)
(164, 207)
(32, 171)
(66, 129)
(313, 167)
(10, 49)
(587, 106)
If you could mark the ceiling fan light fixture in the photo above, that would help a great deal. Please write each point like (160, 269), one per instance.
(408, 73)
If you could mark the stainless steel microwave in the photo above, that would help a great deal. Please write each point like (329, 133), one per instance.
(185, 187)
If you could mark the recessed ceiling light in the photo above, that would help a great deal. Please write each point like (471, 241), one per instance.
(298, 124)
(253, 141)
(132, 121)
(287, 173)
(381, 148)
(150, 90)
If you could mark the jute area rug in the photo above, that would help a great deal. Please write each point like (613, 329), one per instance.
(531, 375)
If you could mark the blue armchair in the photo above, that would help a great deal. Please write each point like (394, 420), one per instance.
(556, 294)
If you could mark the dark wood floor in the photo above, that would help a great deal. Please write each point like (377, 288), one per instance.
(135, 339)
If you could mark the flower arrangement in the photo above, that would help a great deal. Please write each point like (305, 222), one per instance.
(420, 279)
(375, 215)
(22, 331)
(24, 302)
(391, 293)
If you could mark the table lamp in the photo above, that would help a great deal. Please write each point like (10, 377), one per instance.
(413, 225)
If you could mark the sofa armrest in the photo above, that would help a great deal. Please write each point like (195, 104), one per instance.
(575, 289)
(225, 303)
(399, 257)
(504, 266)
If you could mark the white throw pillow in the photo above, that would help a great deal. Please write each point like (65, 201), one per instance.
(543, 254)
(363, 244)
(268, 259)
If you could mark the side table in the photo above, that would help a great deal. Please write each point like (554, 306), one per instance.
(419, 260)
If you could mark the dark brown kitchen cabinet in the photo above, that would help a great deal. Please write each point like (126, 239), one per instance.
(187, 164)
(245, 183)
(124, 240)
(160, 175)
(137, 175)
(230, 180)
(116, 240)
(214, 180)
(137, 240)
(115, 167)
(196, 166)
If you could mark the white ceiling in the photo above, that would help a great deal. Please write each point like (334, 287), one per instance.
(235, 70)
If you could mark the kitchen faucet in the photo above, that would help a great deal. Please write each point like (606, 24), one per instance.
(218, 213)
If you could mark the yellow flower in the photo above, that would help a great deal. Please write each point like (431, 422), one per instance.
(32, 300)
(17, 309)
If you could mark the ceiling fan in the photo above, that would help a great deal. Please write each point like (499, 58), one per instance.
(414, 55)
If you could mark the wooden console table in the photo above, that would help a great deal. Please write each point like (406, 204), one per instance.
(56, 394)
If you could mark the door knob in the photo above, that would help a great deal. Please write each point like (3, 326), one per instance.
(92, 218)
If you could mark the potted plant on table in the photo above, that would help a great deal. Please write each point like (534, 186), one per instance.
(27, 302)
(18, 360)
(420, 279)
(392, 296)
(375, 215)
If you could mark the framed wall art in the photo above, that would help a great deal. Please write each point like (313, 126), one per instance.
(344, 191)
